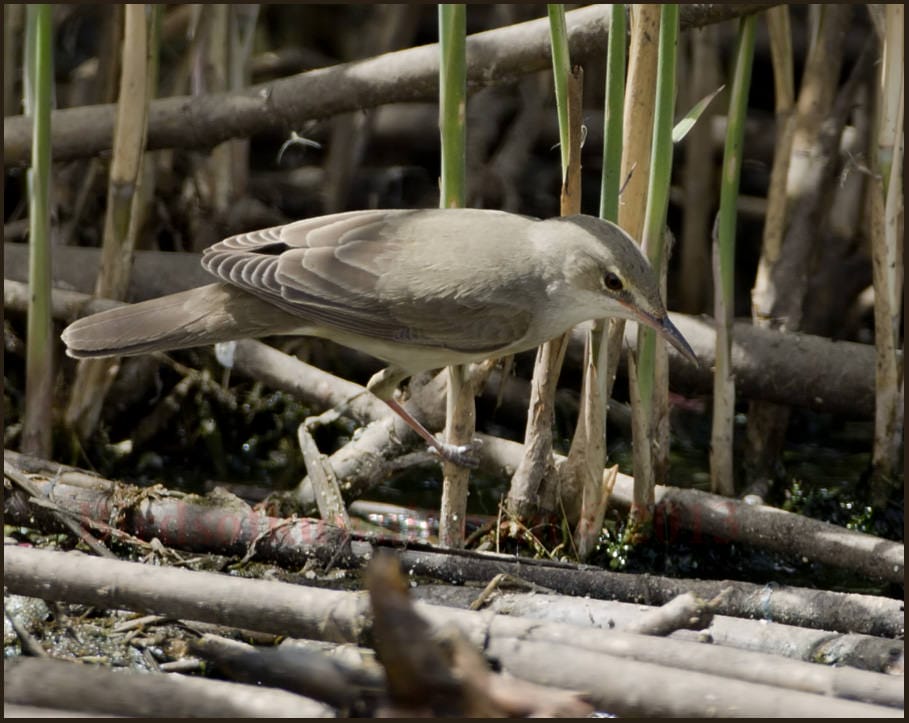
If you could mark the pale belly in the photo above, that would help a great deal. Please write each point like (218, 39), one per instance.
(407, 357)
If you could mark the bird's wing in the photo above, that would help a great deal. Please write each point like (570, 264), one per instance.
(329, 271)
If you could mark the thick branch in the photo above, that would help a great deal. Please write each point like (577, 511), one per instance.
(494, 56)
(847, 652)
(95, 690)
(216, 523)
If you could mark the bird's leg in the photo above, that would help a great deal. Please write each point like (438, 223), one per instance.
(460, 454)
(383, 384)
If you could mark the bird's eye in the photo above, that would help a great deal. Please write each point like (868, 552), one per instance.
(612, 281)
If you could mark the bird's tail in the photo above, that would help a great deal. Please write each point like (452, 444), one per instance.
(197, 317)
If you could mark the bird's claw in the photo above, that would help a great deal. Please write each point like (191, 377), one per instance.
(463, 455)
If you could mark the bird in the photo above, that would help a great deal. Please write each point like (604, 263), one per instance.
(418, 289)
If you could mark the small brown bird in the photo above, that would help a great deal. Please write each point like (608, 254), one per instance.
(419, 289)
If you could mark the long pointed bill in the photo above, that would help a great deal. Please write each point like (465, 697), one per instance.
(666, 329)
(670, 333)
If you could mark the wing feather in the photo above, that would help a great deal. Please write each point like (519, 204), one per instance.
(330, 271)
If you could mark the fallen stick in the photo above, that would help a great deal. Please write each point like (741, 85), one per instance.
(623, 685)
(683, 612)
(223, 525)
(184, 521)
(821, 609)
(722, 520)
(91, 688)
(201, 122)
(865, 652)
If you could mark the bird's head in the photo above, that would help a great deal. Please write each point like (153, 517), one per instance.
(609, 276)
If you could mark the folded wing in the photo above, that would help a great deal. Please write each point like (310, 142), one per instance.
(330, 272)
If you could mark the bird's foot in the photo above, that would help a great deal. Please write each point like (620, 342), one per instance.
(463, 455)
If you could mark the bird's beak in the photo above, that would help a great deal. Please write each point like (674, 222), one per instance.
(670, 333)
(666, 329)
